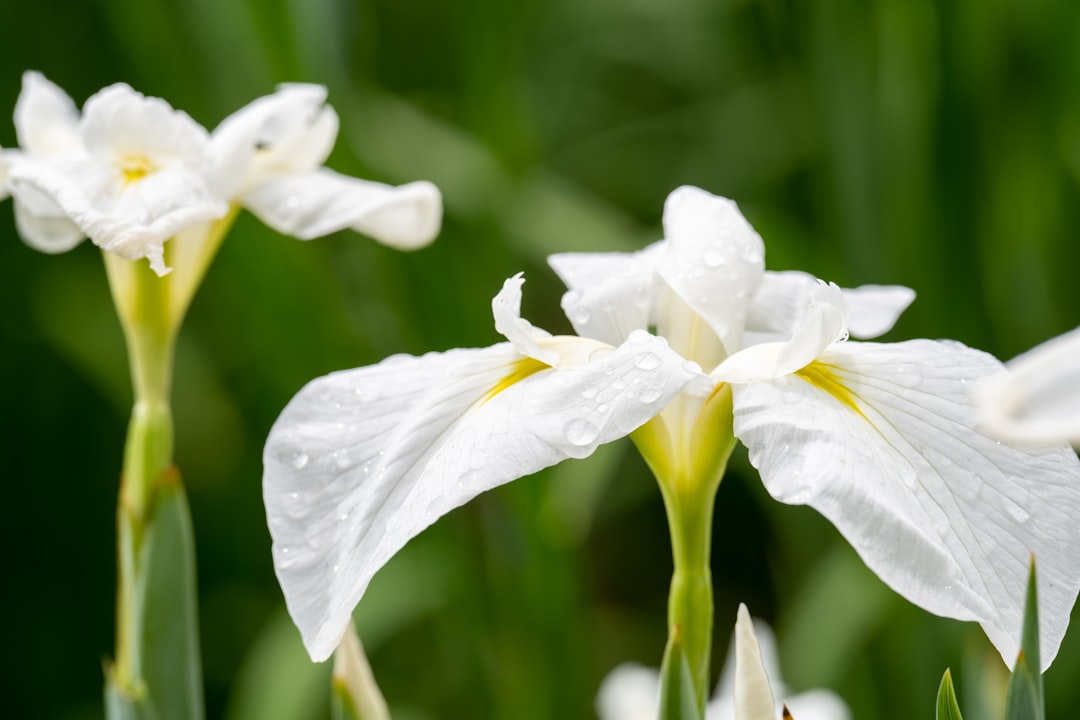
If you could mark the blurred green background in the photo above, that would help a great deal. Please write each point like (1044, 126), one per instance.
(935, 145)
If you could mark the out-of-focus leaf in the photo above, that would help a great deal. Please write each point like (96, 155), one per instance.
(1024, 700)
(678, 700)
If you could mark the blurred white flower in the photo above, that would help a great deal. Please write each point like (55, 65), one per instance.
(1038, 401)
(632, 691)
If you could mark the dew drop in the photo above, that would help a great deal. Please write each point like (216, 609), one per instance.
(650, 394)
(344, 517)
(580, 432)
(752, 254)
(713, 257)
(299, 460)
(340, 458)
(579, 314)
(648, 361)
(294, 496)
(602, 408)
(336, 568)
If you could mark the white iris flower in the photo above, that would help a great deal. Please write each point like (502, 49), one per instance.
(879, 438)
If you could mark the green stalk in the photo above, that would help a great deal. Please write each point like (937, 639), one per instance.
(157, 671)
(687, 448)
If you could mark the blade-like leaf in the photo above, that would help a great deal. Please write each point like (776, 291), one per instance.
(947, 708)
(678, 700)
(1024, 700)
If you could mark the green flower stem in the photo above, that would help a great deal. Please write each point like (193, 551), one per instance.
(687, 447)
(157, 670)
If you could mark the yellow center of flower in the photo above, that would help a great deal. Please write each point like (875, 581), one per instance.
(136, 167)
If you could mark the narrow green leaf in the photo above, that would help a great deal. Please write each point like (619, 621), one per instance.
(1024, 699)
(947, 708)
(170, 678)
(678, 699)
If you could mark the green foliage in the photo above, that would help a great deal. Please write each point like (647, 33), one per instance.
(935, 145)
(947, 708)
(1025, 699)
(678, 695)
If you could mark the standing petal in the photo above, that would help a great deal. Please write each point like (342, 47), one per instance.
(714, 261)
(880, 440)
(363, 460)
(1038, 401)
(610, 294)
(46, 120)
(311, 204)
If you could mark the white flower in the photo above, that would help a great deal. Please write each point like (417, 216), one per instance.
(1038, 401)
(130, 173)
(747, 689)
(879, 438)
(269, 158)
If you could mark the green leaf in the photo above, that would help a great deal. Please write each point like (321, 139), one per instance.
(1024, 700)
(947, 709)
(169, 685)
(678, 699)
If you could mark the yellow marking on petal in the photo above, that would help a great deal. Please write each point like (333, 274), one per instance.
(522, 369)
(136, 167)
(823, 378)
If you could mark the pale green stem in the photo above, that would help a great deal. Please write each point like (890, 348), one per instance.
(687, 448)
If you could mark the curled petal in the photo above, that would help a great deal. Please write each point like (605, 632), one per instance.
(779, 307)
(133, 223)
(363, 460)
(46, 120)
(610, 294)
(292, 130)
(526, 338)
(42, 224)
(714, 260)
(880, 440)
(822, 325)
(308, 205)
(1038, 401)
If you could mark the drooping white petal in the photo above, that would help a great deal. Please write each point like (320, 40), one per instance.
(609, 294)
(46, 120)
(629, 692)
(822, 325)
(292, 130)
(1038, 401)
(311, 204)
(714, 260)
(780, 304)
(134, 222)
(363, 460)
(880, 440)
(753, 693)
(522, 334)
(43, 225)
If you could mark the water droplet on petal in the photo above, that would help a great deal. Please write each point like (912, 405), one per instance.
(299, 460)
(713, 257)
(340, 458)
(344, 516)
(1018, 513)
(579, 314)
(580, 432)
(650, 393)
(602, 408)
(335, 568)
(648, 361)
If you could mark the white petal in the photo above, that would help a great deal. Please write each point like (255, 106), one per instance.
(879, 439)
(780, 304)
(308, 205)
(753, 693)
(822, 325)
(629, 692)
(818, 705)
(290, 131)
(610, 294)
(363, 460)
(1038, 401)
(526, 339)
(126, 129)
(49, 231)
(714, 260)
(46, 120)
(135, 221)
